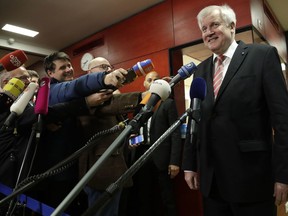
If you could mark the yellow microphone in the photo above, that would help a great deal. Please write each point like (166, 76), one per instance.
(11, 92)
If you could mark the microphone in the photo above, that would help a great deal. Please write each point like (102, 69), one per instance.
(197, 94)
(41, 104)
(139, 69)
(42, 100)
(184, 72)
(13, 60)
(159, 90)
(10, 93)
(19, 105)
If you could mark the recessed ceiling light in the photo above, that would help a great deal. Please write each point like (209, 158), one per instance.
(20, 30)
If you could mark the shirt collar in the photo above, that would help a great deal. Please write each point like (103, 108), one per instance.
(229, 52)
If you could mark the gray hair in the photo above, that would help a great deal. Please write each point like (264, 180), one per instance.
(226, 12)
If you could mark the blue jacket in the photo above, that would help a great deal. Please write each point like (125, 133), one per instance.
(80, 87)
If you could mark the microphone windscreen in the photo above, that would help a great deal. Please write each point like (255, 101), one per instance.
(187, 70)
(14, 88)
(42, 100)
(161, 88)
(198, 88)
(143, 67)
(13, 60)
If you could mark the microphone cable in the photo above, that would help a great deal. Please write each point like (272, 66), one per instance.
(64, 164)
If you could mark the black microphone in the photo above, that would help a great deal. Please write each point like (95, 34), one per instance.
(11, 92)
(184, 72)
(12, 60)
(139, 69)
(19, 105)
(198, 92)
(159, 90)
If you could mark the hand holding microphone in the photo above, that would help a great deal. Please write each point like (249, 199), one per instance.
(115, 78)
(13, 60)
(139, 69)
(120, 77)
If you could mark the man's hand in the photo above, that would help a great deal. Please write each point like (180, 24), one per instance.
(192, 179)
(115, 78)
(173, 171)
(280, 193)
(98, 98)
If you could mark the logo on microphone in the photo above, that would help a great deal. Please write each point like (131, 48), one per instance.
(15, 61)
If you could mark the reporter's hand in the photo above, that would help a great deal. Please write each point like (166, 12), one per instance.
(98, 98)
(115, 78)
(173, 171)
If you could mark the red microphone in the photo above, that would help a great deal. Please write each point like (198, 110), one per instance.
(13, 60)
(42, 100)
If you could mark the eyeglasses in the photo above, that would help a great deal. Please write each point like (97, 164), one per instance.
(104, 67)
(23, 78)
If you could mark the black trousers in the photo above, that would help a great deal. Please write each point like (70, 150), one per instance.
(152, 192)
(215, 205)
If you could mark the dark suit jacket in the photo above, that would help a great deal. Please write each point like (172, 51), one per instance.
(168, 152)
(235, 142)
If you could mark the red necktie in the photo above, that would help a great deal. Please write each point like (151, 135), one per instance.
(218, 75)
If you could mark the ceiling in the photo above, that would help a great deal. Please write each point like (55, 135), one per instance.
(62, 23)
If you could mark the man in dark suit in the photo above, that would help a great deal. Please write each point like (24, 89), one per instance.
(163, 166)
(242, 168)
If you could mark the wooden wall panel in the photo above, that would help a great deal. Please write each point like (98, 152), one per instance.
(101, 50)
(185, 13)
(147, 32)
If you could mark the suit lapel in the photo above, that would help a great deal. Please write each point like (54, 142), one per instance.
(236, 61)
(209, 80)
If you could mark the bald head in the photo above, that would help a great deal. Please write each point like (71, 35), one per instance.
(99, 64)
(149, 78)
(20, 73)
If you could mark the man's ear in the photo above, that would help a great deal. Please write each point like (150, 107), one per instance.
(5, 81)
(232, 25)
(49, 72)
